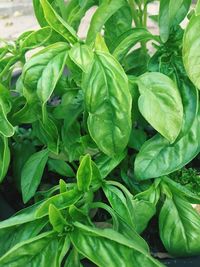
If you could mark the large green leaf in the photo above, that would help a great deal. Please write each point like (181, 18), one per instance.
(108, 102)
(191, 53)
(32, 173)
(35, 252)
(44, 69)
(115, 249)
(16, 234)
(160, 104)
(179, 226)
(158, 157)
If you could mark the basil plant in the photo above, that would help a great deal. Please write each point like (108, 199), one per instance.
(91, 130)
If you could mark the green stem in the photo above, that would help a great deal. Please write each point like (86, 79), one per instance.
(145, 16)
(134, 12)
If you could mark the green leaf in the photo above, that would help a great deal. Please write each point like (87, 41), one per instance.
(96, 182)
(136, 62)
(100, 43)
(84, 173)
(160, 104)
(114, 248)
(60, 201)
(72, 143)
(60, 167)
(56, 219)
(171, 14)
(117, 24)
(16, 234)
(108, 102)
(75, 11)
(47, 133)
(179, 226)
(182, 190)
(82, 56)
(33, 252)
(128, 39)
(120, 204)
(57, 23)
(191, 54)
(73, 260)
(21, 217)
(197, 8)
(158, 157)
(6, 128)
(32, 173)
(137, 139)
(106, 164)
(4, 157)
(143, 212)
(70, 108)
(21, 152)
(44, 69)
(39, 12)
(190, 100)
(106, 9)
(36, 38)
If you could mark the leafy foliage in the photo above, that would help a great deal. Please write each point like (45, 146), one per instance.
(116, 121)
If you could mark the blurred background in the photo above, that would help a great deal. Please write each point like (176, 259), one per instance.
(17, 16)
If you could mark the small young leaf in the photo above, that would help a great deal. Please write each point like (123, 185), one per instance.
(32, 173)
(60, 201)
(84, 173)
(56, 219)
